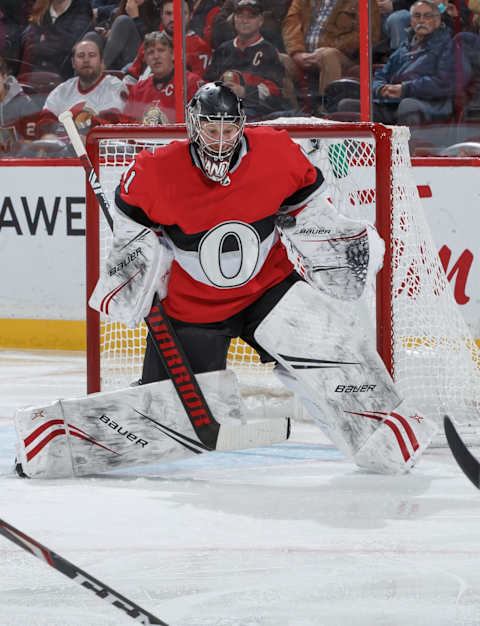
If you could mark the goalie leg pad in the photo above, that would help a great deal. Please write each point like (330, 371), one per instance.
(110, 430)
(327, 356)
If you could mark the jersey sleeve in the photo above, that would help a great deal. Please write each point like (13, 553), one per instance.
(137, 67)
(135, 193)
(308, 177)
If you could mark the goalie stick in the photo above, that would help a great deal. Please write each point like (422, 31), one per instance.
(465, 459)
(213, 435)
(78, 575)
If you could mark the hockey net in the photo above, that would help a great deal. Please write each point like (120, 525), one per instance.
(421, 334)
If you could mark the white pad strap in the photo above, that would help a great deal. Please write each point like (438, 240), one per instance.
(137, 266)
(129, 427)
(328, 358)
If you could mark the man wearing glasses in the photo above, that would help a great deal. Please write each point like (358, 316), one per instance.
(417, 83)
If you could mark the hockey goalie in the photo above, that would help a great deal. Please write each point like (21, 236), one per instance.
(215, 226)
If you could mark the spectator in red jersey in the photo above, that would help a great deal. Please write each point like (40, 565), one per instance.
(131, 21)
(55, 26)
(198, 52)
(152, 101)
(249, 65)
(14, 105)
(90, 93)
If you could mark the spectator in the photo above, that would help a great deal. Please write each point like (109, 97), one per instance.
(418, 81)
(467, 45)
(19, 12)
(323, 39)
(14, 105)
(248, 64)
(102, 11)
(152, 101)
(457, 18)
(273, 15)
(22, 10)
(55, 26)
(10, 35)
(470, 41)
(395, 19)
(132, 20)
(90, 93)
(203, 16)
(198, 52)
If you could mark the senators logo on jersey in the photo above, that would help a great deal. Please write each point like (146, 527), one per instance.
(154, 116)
(225, 244)
(83, 119)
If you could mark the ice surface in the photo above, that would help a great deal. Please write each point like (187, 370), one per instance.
(292, 535)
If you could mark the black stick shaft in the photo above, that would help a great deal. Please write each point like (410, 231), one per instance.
(465, 459)
(100, 589)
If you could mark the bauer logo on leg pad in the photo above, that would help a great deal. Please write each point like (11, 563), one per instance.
(354, 388)
(121, 430)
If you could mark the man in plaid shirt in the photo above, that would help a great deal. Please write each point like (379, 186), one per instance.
(322, 37)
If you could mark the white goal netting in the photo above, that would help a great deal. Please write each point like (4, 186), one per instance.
(421, 333)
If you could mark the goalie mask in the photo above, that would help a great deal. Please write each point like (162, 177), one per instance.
(215, 122)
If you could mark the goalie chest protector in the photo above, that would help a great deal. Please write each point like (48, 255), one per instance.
(227, 251)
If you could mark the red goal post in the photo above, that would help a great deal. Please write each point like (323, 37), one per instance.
(421, 334)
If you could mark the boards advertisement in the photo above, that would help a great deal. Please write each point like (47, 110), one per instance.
(42, 235)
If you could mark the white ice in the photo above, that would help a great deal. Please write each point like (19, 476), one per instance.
(292, 535)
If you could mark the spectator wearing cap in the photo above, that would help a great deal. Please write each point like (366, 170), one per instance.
(14, 105)
(198, 52)
(322, 38)
(91, 93)
(418, 81)
(152, 101)
(274, 12)
(249, 64)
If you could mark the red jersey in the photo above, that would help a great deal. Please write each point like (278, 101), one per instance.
(150, 98)
(226, 245)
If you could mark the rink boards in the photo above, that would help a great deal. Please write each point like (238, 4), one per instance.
(42, 223)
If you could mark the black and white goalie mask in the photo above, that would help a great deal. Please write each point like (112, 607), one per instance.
(215, 121)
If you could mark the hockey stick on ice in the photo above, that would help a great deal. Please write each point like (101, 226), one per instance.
(212, 434)
(78, 575)
(465, 459)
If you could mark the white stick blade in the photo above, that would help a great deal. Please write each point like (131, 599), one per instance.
(253, 434)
